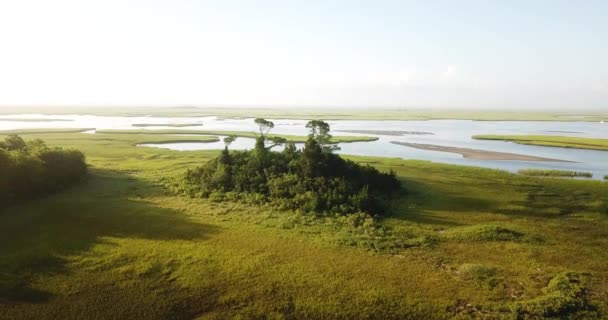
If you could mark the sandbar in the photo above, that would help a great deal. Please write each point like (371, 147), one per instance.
(476, 153)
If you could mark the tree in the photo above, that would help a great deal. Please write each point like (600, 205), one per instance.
(264, 125)
(276, 141)
(319, 131)
(229, 140)
(31, 169)
(13, 142)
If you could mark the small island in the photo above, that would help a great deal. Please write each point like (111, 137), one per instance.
(310, 180)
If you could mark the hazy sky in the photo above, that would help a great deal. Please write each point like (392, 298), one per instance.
(495, 54)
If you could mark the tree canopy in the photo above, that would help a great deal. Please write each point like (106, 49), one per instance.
(312, 179)
(30, 169)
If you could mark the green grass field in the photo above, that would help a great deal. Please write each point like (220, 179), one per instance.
(243, 134)
(462, 242)
(551, 141)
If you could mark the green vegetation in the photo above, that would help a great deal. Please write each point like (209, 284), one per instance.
(44, 130)
(242, 134)
(28, 170)
(551, 141)
(472, 271)
(316, 113)
(463, 242)
(555, 173)
(311, 180)
(565, 292)
(175, 125)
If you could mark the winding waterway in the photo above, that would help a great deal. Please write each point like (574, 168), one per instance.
(448, 133)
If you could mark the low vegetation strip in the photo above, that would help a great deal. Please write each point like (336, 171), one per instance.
(44, 130)
(388, 132)
(241, 134)
(555, 173)
(551, 141)
(34, 119)
(174, 125)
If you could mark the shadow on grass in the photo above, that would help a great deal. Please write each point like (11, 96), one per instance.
(35, 236)
(544, 198)
(420, 200)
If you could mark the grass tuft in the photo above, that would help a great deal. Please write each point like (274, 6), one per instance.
(477, 272)
(488, 232)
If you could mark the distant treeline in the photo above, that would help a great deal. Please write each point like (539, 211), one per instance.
(313, 179)
(30, 169)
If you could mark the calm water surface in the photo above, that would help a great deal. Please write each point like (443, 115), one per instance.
(455, 133)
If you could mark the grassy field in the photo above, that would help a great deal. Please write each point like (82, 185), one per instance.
(555, 173)
(315, 113)
(174, 125)
(551, 141)
(462, 242)
(243, 134)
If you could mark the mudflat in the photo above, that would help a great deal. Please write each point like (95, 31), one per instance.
(476, 153)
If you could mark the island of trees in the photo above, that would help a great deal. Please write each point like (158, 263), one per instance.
(30, 169)
(309, 180)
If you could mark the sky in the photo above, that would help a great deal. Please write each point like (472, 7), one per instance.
(409, 54)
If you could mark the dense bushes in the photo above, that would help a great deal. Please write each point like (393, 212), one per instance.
(309, 180)
(30, 169)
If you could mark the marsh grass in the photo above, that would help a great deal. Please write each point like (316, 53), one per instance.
(243, 134)
(551, 141)
(555, 173)
(310, 113)
(120, 246)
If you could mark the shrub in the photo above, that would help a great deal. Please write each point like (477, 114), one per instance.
(30, 169)
(564, 298)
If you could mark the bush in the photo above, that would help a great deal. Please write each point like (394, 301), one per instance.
(563, 298)
(309, 180)
(30, 169)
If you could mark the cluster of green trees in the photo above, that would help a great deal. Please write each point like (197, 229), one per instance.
(312, 179)
(29, 169)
